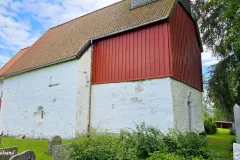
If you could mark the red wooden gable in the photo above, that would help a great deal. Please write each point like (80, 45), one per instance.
(164, 49)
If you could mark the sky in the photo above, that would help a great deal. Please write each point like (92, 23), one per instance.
(22, 22)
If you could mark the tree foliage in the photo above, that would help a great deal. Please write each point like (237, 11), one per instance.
(219, 22)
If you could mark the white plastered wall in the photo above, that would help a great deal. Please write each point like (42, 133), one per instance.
(123, 105)
(65, 103)
(1, 89)
(181, 94)
(83, 92)
(24, 93)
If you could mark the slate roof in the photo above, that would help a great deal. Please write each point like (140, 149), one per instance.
(64, 41)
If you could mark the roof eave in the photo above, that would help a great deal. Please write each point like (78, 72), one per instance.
(35, 68)
(130, 28)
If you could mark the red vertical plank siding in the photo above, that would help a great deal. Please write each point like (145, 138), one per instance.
(135, 55)
(185, 51)
(157, 50)
(148, 64)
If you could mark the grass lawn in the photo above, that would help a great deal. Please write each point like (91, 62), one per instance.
(38, 146)
(220, 143)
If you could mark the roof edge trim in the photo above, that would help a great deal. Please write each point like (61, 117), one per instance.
(39, 67)
(130, 28)
(84, 49)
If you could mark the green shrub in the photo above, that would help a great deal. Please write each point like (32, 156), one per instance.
(101, 146)
(97, 146)
(193, 145)
(209, 126)
(145, 142)
(203, 134)
(165, 156)
(171, 156)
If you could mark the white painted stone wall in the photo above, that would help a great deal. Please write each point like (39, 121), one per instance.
(1, 89)
(123, 105)
(1, 85)
(23, 94)
(180, 94)
(83, 92)
(65, 103)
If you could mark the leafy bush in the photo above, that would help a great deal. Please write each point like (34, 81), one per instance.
(193, 145)
(145, 142)
(170, 156)
(101, 146)
(97, 146)
(203, 134)
(209, 126)
(165, 156)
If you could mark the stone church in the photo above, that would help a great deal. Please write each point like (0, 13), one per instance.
(131, 62)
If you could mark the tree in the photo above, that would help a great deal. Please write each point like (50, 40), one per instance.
(219, 22)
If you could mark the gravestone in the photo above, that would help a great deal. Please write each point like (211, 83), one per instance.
(0, 140)
(1, 133)
(236, 151)
(237, 122)
(20, 136)
(56, 140)
(60, 152)
(233, 127)
(236, 146)
(6, 153)
(27, 155)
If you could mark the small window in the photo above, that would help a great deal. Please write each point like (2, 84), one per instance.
(39, 115)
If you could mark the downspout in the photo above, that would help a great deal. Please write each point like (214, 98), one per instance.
(90, 91)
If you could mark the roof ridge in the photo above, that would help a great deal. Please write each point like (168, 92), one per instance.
(87, 14)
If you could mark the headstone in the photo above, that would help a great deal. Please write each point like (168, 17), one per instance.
(236, 151)
(56, 140)
(20, 136)
(0, 140)
(27, 155)
(60, 152)
(6, 153)
(233, 127)
(237, 122)
(1, 133)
